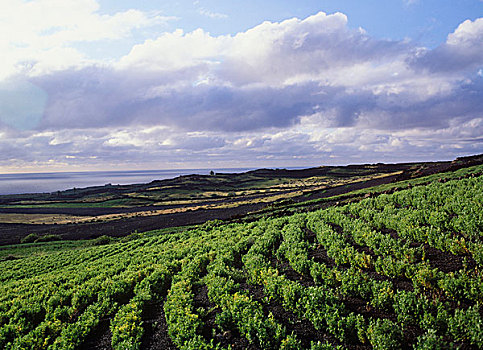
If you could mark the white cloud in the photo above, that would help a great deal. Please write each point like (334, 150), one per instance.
(320, 49)
(214, 15)
(468, 34)
(123, 138)
(176, 50)
(269, 76)
(462, 51)
(41, 32)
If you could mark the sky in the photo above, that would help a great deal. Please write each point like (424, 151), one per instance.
(126, 85)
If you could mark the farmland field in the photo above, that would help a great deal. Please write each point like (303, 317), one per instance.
(118, 210)
(396, 270)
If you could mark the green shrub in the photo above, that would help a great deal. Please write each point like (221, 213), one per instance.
(467, 325)
(384, 334)
(323, 346)
(48, 238)
(127, 327)
(133, 236)
(102, 240)
(430, 341)
(30, 238)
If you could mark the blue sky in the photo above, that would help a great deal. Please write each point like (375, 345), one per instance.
(96, 84)
(427, 22)
(424, 22)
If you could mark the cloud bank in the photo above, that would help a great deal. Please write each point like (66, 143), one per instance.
(299, 92)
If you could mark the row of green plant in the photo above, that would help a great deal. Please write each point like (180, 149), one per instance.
(438, 316)
(447, 216)
(240, 311)
(127, 326)
(319, 304)
(74, 289)
(56, 300)
(184, 321)
(381, 294)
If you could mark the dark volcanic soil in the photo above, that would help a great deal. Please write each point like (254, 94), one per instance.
(13, 233)
(100, 338)
(155, 335)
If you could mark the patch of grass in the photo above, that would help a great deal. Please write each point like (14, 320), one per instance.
(40, 248)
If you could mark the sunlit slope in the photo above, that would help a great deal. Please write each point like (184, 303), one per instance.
(398, 270)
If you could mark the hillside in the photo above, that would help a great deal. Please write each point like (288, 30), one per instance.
(114, 210)
(396, 266)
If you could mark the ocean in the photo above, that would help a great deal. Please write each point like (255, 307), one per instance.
(58, 181)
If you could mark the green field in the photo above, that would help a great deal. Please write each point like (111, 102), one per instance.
(395, 270)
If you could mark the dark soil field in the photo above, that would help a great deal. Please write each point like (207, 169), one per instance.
(227, 209)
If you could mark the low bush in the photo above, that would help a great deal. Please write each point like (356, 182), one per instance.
(102, 240)
(30, 238)
(48, 238)
(131, 237)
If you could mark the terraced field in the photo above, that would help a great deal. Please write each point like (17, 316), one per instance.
(400, 270)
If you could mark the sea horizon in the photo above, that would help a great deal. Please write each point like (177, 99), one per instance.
(47, 182)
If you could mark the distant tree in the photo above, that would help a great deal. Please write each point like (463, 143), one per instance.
(212, 173)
